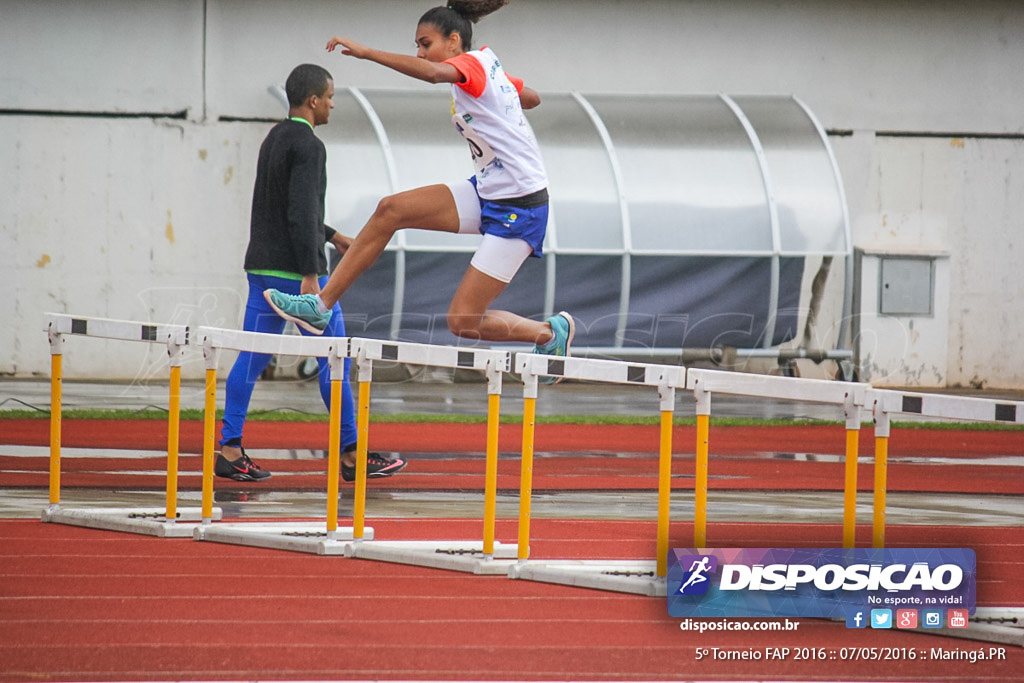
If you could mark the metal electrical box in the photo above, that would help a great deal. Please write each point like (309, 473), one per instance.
(901, 317)
(906, 286)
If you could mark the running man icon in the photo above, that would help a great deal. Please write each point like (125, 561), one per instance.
(698, 570)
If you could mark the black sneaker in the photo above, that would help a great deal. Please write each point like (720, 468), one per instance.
(242, 469)
(377, 466)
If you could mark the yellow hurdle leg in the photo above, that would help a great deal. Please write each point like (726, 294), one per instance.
(526, 478)
(362, 439)
(173, 427)
(881, 467)
(209, 418)
(333, 458)
(664, 490)
(850, 490)
(491, 472)
(56, 380)
(700, 486)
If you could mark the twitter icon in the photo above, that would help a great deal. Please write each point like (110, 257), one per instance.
(881, 618)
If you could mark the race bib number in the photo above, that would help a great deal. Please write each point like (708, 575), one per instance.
(482, 153)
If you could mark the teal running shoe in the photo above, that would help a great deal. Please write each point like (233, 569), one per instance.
(564, 329)
(301, 309)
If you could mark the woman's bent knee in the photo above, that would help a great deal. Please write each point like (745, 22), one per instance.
(388, 213)
(467, 327)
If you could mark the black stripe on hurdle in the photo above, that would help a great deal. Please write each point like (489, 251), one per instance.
(389, 352)
(79, 326)
(1006, 412)
(912, 404)
(148, 333)
(465, 359)
(556, 367)
(636, 373)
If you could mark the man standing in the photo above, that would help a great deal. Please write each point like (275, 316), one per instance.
(287, 235)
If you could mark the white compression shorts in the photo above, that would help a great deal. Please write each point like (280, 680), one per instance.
(497, 257)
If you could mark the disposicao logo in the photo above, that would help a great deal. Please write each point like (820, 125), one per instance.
(818, 582)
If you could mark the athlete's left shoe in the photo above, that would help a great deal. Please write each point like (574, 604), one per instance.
(242, 469)
(301, 309)
(377, 466)
(563, 330)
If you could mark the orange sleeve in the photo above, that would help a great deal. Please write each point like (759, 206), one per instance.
(475, 80)
(518, 83)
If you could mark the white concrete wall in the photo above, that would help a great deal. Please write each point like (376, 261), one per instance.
(136, 219)
(124, 193)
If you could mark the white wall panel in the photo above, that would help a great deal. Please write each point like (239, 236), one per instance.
(912, 66)
(254, 44)
(129, 219)
(959, 197)
(85, 203)
(114, 56)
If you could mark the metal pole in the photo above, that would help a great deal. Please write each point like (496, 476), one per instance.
(491, 469)
(700, 486)
(881, 475)
(850, 482)
(209, 419)
(362, 440)
(56, 385)
(173, 427)
(334, 445)
(526, 472)
(665, 477)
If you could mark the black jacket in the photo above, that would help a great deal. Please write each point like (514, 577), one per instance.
(287, 231)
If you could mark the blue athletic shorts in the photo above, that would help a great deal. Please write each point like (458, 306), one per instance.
(529, 225)
(502, 219)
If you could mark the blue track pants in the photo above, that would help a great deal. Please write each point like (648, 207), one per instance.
(260, 317)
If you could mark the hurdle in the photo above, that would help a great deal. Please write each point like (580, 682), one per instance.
(886, 402)
(151, 521)
(319, 539)
(488, 556)
(850, 395)
(645, 577)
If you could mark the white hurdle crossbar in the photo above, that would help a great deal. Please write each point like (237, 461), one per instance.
(632, 576)
(58, 326)
(885, 402)
(318, 539)
(850, 395)
(486, 557)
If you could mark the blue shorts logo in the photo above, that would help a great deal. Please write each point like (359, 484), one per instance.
(695, 579)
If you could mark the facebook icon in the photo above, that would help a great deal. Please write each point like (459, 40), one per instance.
(856, 618)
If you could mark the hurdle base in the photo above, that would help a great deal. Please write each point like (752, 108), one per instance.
(149, 521)
(303, 537)
(463, 556)
(622, 576)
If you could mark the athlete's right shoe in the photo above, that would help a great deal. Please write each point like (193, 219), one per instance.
(301, 309)
(563, 329)
(242, 469)
(377, 466)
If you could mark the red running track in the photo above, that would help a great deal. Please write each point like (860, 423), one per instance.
(81, 604)
(585, 456)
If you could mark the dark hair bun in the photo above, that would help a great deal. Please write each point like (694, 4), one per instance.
(474, 10)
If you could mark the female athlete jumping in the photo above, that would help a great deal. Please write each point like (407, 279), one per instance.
(506, 201)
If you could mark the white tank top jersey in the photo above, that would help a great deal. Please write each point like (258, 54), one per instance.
(487, 112)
